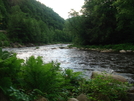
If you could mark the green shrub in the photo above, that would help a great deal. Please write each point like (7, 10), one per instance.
(72, 77)
(4, 41)
(38, 75)
(9, 68)
(71, 82)
(99, 89)
(18, 95)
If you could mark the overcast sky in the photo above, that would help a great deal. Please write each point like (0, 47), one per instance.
(62, 7)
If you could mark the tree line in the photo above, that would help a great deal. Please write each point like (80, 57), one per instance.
(99, 22)
(29, 21)
(103, 22)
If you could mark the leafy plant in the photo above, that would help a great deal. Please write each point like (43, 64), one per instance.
(18, 95)
(99, 89)
(4, 41)
(72, 80)
(38, 75)
(9, 70)
(37, 47)
(72, 77)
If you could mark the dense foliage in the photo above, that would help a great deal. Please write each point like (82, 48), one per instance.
(4, 41)
(103, 22)
(100, 22)
(31, 79)
(29, 21)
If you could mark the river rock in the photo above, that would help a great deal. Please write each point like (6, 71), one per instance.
(30, 45)
(129, 51)
(82, 97)
(122, 51)
(16, 45)
(73, 99)
(107, 51)
(116, 77)
(131, 90)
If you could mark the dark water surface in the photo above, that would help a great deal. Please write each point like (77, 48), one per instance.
(80, 60)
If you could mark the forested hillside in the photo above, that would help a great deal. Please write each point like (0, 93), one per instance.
(103, 22)
(100, 22)
(29, 21)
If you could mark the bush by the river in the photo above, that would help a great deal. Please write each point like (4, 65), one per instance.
(4, 41)
(31, 79)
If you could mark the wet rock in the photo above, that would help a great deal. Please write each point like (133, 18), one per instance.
(20, 46)
(82, 97)
(116, 77)
(62, 47)
(128, 51)
(122, 51)
(16, 45)
(74, 48)
(53, 48)
(30, 45)
(73, 99)
(131, 90)
(107, 51)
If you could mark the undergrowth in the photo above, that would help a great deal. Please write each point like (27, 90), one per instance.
(4, 41)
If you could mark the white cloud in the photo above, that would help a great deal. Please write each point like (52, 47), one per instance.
(62, 7)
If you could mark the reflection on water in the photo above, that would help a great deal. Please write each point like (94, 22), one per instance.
(80, 60)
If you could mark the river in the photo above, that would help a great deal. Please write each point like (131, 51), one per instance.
(81, 60)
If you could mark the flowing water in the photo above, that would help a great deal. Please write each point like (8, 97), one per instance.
(81, 60)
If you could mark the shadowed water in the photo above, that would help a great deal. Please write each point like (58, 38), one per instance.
(80, 60)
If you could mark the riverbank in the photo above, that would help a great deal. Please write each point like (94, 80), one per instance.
(20, 45)
(120, 48)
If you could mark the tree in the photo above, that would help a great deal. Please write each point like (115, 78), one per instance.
(125, 19)
(29, 21)
(101, 15)
(3, 15)
(15, 26)
(103, 22)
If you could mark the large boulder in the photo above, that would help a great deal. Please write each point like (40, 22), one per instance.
(116, 77)
(82, 97)
(107, 51)
(16, 45)
(122, 51)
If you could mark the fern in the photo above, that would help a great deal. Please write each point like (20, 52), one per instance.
(9, 69)
(38, 75)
